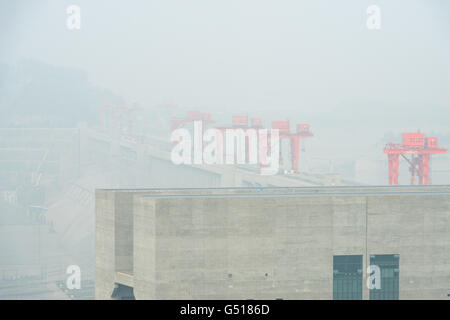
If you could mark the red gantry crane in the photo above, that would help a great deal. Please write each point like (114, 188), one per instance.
(420, 148)
(285, 133)
(192, 116)
(242, 122)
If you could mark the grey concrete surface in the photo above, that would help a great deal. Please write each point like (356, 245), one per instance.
(247, 243)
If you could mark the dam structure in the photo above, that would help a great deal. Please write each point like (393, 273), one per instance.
(273, 243)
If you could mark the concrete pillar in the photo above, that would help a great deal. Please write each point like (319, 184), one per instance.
(104, 244)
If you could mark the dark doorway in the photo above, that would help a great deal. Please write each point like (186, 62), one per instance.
(389, 269)
(347, 277)
(122, 292)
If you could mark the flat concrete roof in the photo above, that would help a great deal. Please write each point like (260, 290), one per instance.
(312, 192)
(281, 188)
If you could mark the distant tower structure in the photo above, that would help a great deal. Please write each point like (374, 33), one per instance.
(192, 116)
(116, 115)
(238, 122)
(294, 138)
(420, 148)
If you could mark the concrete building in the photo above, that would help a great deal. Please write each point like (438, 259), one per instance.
(274, 243)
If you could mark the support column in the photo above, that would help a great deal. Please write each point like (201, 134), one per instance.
(105, 251)
(295, 152)
(415, 168)
(393, 168)
(424, 169)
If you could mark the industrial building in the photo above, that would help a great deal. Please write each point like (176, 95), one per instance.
(273, 243)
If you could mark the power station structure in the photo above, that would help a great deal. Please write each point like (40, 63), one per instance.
(294, 139)
(273, 243)
(420, 147)
(118, 116)
(242, 122)
(192, 116)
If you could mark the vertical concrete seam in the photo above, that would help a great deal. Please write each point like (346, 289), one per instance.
(367, 257)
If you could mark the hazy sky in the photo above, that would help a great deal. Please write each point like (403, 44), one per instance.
(290, 59)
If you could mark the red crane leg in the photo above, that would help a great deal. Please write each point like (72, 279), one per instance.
(263, 151)
(415, 168)
(420, 169)
(424, 169)
(247, 148)
(393, 168)
(420, 148)
(295, 148)
(280, 156)
(396, 163)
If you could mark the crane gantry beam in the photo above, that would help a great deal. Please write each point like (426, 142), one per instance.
(420, 148)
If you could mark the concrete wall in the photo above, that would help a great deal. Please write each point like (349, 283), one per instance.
(279, 243)
(104, 244)
(418, 229)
